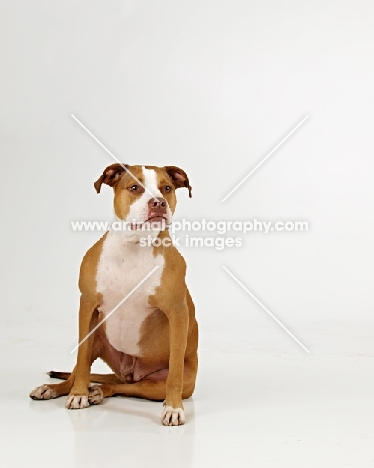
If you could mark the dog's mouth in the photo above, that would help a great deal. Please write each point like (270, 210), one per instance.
(158, 222)
(156, 219)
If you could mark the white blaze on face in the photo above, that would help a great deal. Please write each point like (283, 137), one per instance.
(139, 209)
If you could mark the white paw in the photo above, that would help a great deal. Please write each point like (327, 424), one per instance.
(43, 393)
(77, 402)
(172, 416)
(95, 395)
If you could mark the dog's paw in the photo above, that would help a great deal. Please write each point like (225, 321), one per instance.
(43, 393)
(95, 395)
(172, 416)
(77, 402)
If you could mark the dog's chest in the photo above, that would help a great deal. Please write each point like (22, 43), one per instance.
(122, 266)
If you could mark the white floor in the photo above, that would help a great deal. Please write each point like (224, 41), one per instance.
(248, 410)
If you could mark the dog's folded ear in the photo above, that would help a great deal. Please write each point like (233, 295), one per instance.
(110, 176)
(179, 178)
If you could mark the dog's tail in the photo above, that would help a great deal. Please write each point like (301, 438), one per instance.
(96, 378)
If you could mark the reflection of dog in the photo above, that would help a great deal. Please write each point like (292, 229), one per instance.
(150, 341)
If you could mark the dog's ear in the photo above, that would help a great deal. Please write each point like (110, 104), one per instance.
(110, 176)
(179, 178)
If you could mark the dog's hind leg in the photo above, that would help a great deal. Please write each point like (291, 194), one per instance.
(46, 392)
(77, 380)
(95, 378)
(152, 387)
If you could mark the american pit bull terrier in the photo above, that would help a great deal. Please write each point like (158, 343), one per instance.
(150, 340)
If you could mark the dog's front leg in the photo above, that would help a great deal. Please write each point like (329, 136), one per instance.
(173, 413)
(78, 396)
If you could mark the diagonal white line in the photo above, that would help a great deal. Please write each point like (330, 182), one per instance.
(265, 158)
(267, 310)
(115, 308)
(111, 154)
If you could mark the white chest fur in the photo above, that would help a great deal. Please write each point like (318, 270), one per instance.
(122, 266)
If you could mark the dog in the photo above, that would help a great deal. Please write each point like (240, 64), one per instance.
(147, 333)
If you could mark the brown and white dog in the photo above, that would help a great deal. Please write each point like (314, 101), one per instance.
(150, 340)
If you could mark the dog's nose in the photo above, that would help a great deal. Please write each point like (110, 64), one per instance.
(157, 203)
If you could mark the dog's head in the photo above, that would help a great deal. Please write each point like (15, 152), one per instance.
(144, 194)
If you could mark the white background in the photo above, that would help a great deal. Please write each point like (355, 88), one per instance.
(212, 87)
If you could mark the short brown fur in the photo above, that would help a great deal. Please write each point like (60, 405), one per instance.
(169, 336)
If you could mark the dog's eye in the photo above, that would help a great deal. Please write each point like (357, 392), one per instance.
(167, 188)
(134, 188)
